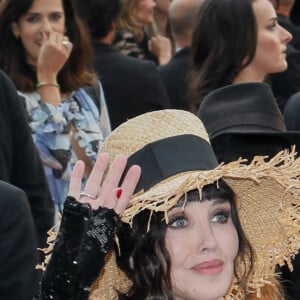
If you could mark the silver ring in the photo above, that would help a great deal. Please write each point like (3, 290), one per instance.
(67, 44)
(83, 193)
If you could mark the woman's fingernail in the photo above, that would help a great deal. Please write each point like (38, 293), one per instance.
(119, 192)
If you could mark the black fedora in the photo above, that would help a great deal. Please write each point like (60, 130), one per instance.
(246, 109)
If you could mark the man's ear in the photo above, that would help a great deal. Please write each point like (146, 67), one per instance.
(15, 30)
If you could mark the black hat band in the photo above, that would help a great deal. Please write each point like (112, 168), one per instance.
(167, 157)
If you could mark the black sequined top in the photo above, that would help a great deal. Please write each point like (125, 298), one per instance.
(85, 237)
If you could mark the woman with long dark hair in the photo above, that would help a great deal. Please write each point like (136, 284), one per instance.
(47, 53)
(235, 41)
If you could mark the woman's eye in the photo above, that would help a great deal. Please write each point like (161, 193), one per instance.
(221, 217)
(272, 26)
(178, 222)
(55, 17)
(32, 19)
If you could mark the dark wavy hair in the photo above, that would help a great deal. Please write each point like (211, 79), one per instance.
(98, 15)
(145, 259)
(223, 43)
(77, 71)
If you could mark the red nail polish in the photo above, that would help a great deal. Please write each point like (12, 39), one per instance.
(119, 192)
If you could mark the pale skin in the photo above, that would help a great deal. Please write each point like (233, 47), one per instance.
(105, 190)
(203, 265)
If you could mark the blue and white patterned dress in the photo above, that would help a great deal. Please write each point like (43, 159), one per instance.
(51, 130)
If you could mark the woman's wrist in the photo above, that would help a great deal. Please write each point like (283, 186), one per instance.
(42, 84)
(45, 76)
(164, 59)
(48, 88)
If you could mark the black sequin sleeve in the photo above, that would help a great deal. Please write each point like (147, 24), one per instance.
(85, 236)
(96, 243)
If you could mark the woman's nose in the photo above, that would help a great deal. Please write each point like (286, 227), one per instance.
(46, 27)
(286, 36)
(205, 238)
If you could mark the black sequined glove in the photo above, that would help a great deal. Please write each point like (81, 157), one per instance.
(60, 280)
(95, 244)
(85, 237)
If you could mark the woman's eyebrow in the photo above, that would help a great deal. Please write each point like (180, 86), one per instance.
(218, 201)
(273, 19)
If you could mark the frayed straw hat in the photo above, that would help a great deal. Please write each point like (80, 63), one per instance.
(173, 149)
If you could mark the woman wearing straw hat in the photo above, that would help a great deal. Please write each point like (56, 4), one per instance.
(184, 219)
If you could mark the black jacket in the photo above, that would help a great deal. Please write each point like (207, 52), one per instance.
(174, 75)
(131, 86)
(18, 254)
(20, 164)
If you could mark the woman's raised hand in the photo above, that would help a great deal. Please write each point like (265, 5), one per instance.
(107, 193)
(54, 53)
(161, 48)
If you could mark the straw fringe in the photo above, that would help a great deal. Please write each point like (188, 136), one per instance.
(52, 234)
(254, 286)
